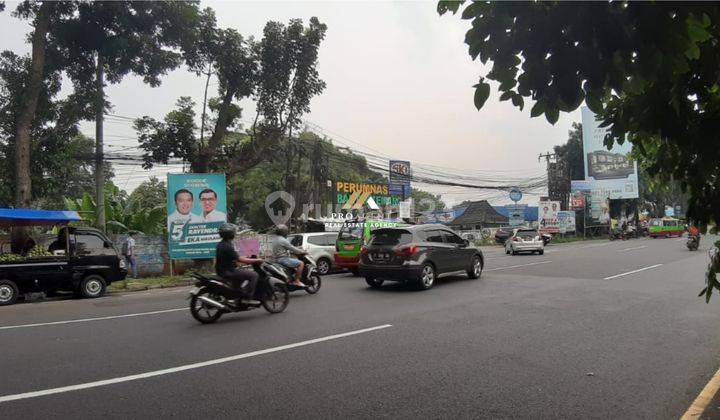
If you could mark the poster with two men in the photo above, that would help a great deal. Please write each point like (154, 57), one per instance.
(196, 207)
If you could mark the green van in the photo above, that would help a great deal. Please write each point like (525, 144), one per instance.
(665, 227)
(352, 236)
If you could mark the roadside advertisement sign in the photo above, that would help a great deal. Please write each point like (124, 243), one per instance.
(566, 221)
(354, 195)
(400, 176)
(596, 199)
(405, 209)
(196, 207)
(548, 216)
(609, 170)
(516, 214)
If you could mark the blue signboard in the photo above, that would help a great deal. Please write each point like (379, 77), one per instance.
(400, 176)
(196, 207)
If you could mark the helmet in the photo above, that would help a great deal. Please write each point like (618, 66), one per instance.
(227, 231)
(281, 230)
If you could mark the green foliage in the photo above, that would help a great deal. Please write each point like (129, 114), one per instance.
(649, 71)
(280, 74)
(425, 201)
(569, 165)
(61, 157)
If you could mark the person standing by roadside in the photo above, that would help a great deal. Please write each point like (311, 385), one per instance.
(129, 253)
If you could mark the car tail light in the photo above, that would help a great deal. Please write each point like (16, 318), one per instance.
(406, 251)
(363, 250)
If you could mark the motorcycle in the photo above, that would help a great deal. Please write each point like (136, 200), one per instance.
(693, 243)
(310, 276)
(213, 297)
(546, 237)
(617, 234)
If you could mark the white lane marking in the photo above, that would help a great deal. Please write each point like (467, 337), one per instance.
(14, 397)
(595, 245)
(521, 265)
(633, 248)
(102, 318)
(632, 272)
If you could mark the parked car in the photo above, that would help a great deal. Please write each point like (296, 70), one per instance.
(82, 260)
(320, 246)
(503, 233)
(525, 240)
(418, 255)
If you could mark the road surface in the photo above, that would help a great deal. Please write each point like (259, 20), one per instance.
(589, 330)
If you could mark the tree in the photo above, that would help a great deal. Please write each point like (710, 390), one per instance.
(425, 201)
(569, 165)
(105, 41)
(649, 71)
(148, 195)
(278, 72)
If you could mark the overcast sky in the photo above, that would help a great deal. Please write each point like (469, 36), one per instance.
(399, 81)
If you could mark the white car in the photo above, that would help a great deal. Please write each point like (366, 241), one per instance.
(320, 246)
(525, 240)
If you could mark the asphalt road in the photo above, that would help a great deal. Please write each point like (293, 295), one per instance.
(565, 335)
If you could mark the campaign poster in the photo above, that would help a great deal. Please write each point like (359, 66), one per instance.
(597, 199)
(196, 207)
(566, 221)
(612, 170)
(548, 216)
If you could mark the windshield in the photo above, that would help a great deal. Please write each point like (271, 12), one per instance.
(350, 232)
(527, 233)
(391, 237)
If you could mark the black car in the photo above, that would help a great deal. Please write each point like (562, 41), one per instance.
(503, 233)
(417, 255)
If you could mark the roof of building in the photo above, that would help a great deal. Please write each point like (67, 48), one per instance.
(479, 212)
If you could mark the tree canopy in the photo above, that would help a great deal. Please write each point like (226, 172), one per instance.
(650, 71)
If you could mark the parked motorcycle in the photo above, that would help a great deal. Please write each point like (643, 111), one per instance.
(693, 243)
(213, 297)
(310, 276)
(617, 234)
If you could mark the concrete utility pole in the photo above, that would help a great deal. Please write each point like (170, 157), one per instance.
(99, 163)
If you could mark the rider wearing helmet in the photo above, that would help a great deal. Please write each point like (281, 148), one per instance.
(282, 251)
(227, 260)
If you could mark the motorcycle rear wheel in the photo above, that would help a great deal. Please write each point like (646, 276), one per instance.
(201, 311)
(276, 299)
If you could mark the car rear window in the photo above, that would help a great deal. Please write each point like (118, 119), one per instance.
(391, 237)
(527, 233)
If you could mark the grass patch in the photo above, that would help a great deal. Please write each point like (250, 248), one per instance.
(130, 285)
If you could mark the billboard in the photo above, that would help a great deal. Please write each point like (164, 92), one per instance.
(400, 175)
(548, 216)
(566, 221)
(357, 195)
(596, 198)
(196, 207)
(608, 170)
(516, 214)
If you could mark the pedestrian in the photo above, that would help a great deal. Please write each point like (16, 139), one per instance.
(129, 253)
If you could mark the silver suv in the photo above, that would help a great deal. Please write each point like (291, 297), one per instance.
(320, 246)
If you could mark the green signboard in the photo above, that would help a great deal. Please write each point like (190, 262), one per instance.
(196, 207)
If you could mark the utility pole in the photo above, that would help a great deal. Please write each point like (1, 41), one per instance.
(99, 167)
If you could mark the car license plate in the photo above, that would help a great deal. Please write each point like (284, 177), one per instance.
(381, 256)
(348, 247)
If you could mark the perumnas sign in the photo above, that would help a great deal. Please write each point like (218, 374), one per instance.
(351, 187)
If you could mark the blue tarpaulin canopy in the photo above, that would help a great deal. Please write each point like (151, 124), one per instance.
(31, 217)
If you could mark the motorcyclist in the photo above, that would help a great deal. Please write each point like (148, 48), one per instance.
(283, 250)
(226, 264)
(693, 232)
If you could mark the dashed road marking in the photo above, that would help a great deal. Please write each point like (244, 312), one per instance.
(632, 272)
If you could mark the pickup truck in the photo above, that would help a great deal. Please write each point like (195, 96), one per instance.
(80, 259)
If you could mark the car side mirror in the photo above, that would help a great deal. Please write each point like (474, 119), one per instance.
(465, 243)
(108, 244)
